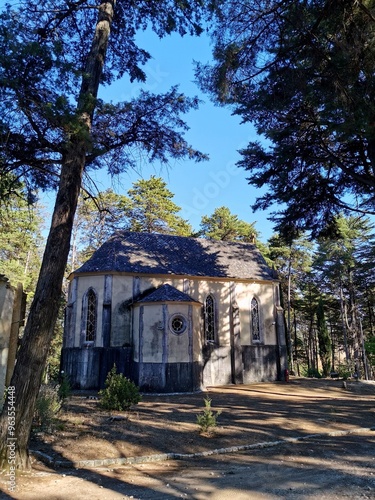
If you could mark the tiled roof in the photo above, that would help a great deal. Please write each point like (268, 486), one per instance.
(167, 293)
(148, 253)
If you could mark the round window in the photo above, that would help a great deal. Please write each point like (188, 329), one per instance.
(177, 324)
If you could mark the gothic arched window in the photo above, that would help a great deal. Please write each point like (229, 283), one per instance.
(210, 320)
(255, 321)
(90, 316)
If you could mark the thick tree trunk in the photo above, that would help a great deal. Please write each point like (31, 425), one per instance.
(31, 359)
(343, 323)
(289, 333)
(38, 333)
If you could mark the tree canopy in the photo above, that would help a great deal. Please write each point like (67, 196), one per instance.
(147, 207)
(45, 58)
(303, 74)
(20, 240)
(151, 209)
(225, 226)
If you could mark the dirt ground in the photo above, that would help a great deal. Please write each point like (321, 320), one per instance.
(338, 463)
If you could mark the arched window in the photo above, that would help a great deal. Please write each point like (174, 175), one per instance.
(90, 315)
(255, 322)
(210, 320)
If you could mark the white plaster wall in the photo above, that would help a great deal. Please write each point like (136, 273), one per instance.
(122, 288)
(148, 282)
(178, 345)
(153, 333)
(220, 290)
(263, 292)
(122, 291)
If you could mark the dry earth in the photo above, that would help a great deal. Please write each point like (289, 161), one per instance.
(251, 414)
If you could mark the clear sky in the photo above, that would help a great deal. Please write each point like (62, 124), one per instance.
(199, 188)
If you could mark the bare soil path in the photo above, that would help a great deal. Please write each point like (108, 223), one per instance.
(338, 463)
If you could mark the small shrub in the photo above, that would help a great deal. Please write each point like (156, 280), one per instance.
(207, 421)
(345, 370)
(64, 388)
(120, 393)
(48, 404)
(312, 373)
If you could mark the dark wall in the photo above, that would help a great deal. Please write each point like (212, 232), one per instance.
(263, 363)
(168, 377)
(88, 368)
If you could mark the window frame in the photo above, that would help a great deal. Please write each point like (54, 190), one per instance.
(184, 324)
(255, 318)
(89, 317)
(210, 321)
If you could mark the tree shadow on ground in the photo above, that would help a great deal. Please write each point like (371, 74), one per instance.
(251, 414)
(328, 468)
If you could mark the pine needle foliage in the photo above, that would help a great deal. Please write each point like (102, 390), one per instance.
(207, 420)
(120, 393)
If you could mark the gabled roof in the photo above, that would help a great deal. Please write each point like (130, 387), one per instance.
(148, 253)
(167, 293)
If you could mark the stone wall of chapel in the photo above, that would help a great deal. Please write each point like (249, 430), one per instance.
(198, 326)
(221, 292)
(264, 293)
(150, 332)
(179, 347)
(123, 288)
(121, 324)
(95, 282)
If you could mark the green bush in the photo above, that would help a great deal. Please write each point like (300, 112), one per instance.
(207, 421)
(48, 404)
(64, 388)
(312, 373)
(120, 393)
(345, 370)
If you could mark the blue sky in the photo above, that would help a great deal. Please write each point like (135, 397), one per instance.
(198, 188)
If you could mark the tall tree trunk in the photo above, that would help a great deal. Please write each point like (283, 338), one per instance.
(39, 329)
(333, 345)
(289, 333)
(364, 357)
(312, 361)
(344, 323)
(296, 342)
(32, 355)
(369, 311)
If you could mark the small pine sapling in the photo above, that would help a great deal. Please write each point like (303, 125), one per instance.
(207, 420)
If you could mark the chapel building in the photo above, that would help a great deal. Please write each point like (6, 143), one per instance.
(174, 314)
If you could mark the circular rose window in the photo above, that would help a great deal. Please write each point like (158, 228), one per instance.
(177, 324)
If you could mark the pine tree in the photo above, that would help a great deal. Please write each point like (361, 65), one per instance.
(151, 209)
(325, 345)
(225, 226)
